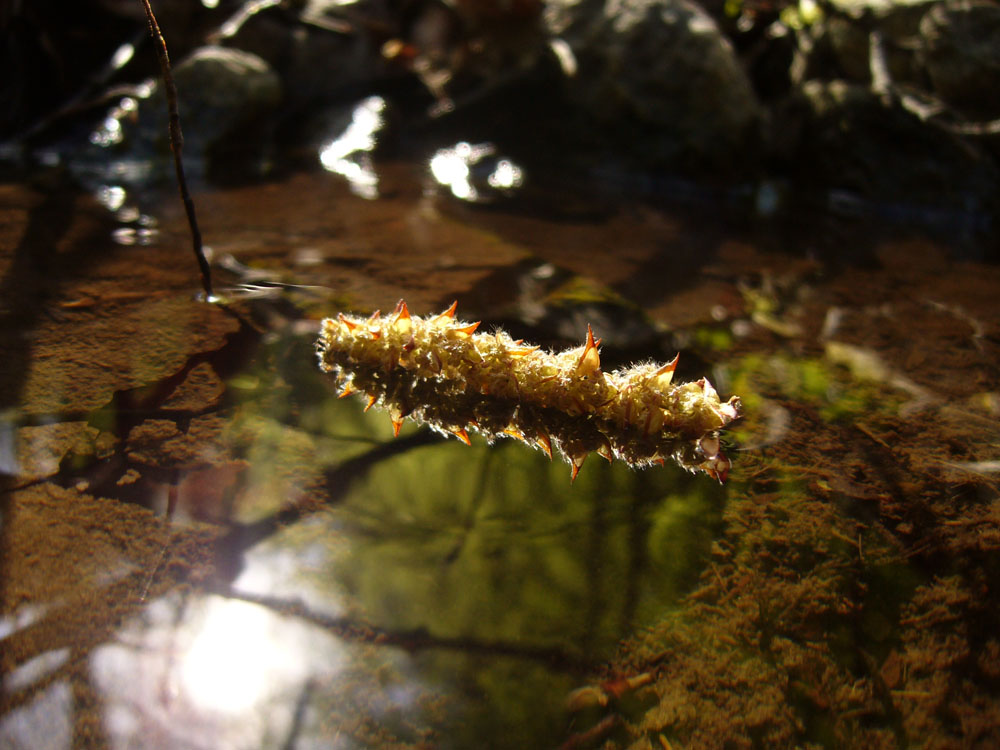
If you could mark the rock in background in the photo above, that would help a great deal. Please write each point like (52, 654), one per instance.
(660, 75)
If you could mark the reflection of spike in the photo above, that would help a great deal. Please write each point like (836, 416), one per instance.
(730, 410)
(348, 390)
(447, 314)
(575, 464)
(718, 468)
(665, 374)
(371, 401)
(462, 435)
(590, 360)
(605, 452)
(544, 443)
(350, 325)
(709, 446)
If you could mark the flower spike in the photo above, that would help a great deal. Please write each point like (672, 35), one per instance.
(441, 372)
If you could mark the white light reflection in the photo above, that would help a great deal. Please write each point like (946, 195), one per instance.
(459, 169)
(43, 721)
(111, 132)
(112, 197)
(451, 167)
(225, 674)
(348, 154)
(235, 658)
(506, 176)
(122, 55)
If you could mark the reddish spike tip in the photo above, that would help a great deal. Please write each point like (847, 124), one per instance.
(669, 367)
(402, 311)
(462, 435)
(396, 424)
(591, 344)
(348, 390)
(449, 313)
(469, 329)
(371, 402)
(350, 325)
(575, 464)
(590, 360)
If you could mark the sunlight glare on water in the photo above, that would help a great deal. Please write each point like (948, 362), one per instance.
(348, 154)
(217, 673)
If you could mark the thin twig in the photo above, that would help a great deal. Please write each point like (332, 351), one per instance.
(176, 145)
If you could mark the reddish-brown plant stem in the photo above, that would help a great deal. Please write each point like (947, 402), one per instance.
(177, 145)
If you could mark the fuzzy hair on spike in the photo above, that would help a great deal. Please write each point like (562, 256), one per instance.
(437, 370)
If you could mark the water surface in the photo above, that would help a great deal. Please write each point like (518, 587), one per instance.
(203, 547)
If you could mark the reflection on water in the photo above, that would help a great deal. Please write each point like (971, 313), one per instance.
(365, 590)
(349, 154)
(470, 172)
(202, 546)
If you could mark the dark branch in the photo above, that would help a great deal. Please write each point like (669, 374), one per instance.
(176, 146)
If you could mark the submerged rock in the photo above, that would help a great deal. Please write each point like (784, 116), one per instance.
(841, 136)
(223, 95)
(897, 21)
(961, 52)
(661, 71)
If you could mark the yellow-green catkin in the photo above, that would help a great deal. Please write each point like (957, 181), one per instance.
(440, 371)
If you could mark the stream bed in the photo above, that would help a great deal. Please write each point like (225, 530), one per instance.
(203, 546)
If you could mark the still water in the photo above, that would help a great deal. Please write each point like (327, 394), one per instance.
(204, 547)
